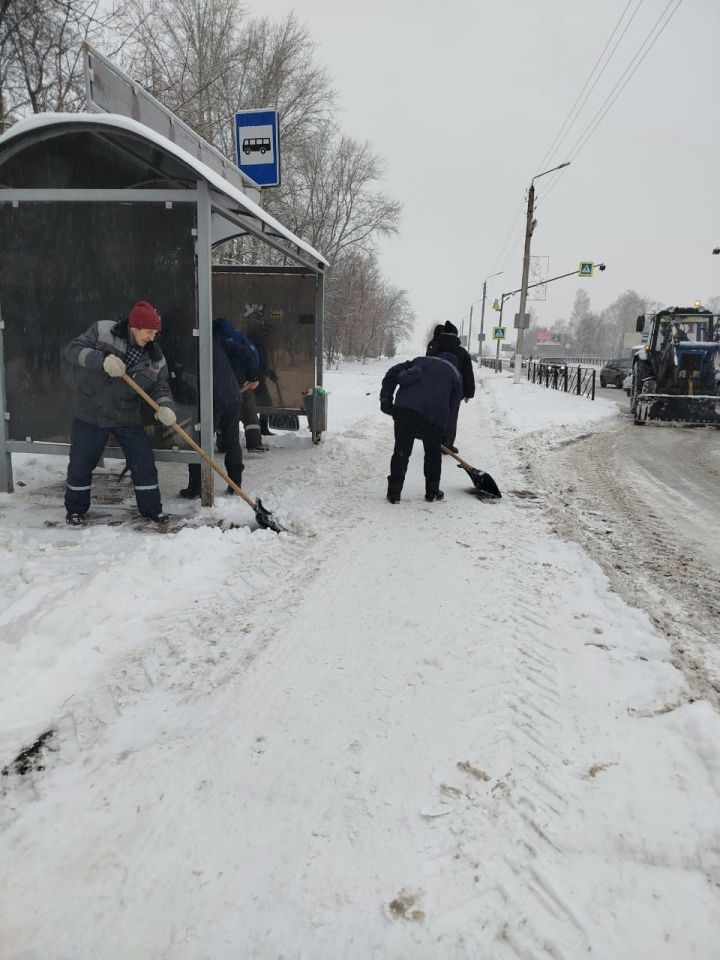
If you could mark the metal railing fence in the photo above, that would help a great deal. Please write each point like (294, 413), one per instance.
(570, 379)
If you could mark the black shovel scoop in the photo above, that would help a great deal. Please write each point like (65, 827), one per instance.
(483, 482)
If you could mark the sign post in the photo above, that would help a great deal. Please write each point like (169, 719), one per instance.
(499, 333)
(257, 146)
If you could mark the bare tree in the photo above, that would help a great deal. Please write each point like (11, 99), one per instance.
(40, 53)
(365, 315)
(332, 199)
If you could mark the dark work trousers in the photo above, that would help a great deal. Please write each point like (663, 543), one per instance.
(411, 426)
(228, 430)
(251, 421)
(451, 431)
(87, 443)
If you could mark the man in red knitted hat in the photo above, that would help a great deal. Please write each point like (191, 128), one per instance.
(105, 404)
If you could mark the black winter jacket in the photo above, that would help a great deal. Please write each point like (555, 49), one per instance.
(449, 343)
(429, 385)
(226, 389)
(108, 401)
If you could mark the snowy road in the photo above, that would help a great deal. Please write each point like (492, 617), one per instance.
(644, 503)
(400, 731)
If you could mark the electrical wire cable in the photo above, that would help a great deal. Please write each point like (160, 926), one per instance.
(560, 136)
(620, 85)
(554, 146)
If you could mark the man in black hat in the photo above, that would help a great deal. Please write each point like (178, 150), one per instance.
(428, 391)
(446, 340)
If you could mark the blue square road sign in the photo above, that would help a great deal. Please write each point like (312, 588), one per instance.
(257, 146)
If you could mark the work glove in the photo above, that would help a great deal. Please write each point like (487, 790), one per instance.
(113, 366)
(386, 405)
(166, 416)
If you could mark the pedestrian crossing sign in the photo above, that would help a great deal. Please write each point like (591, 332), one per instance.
(586, 268)
(499, 333)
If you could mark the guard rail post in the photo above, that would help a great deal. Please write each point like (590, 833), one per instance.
(579, 381)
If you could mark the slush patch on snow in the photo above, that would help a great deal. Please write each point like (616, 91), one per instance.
(467, 767)
(407, 906)
(32, 758)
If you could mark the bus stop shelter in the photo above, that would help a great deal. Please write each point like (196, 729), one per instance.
(97, 211)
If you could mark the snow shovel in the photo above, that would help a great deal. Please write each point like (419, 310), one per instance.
(264, 518)
(482, 481)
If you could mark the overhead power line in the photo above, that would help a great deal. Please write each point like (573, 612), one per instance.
(642, 51)
(568, 123)
(570, 120)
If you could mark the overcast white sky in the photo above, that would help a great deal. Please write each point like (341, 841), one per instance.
(463, 99)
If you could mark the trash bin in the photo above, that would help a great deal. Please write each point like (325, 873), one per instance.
(315, 401)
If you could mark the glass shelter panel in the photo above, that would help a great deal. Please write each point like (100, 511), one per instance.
(66, 265)
(276, 311)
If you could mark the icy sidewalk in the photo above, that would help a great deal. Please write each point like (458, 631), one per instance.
(443, 738)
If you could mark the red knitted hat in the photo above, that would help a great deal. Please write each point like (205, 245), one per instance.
(144, 316)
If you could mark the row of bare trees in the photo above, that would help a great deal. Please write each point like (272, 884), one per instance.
(602, 333)
(205, 60)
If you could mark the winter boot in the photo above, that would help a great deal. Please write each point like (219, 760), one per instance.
(393, 491)
(159, 518)
(431, 495)
(75, 519)
(192, 490)
(238, 480)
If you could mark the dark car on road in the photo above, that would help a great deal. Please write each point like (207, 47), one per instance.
(615, 371)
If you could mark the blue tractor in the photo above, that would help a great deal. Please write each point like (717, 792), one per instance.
(675, 369)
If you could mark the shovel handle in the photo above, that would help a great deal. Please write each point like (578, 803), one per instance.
(190, 442)
(455, 456)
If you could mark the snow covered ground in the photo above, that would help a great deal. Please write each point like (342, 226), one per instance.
(421, 730)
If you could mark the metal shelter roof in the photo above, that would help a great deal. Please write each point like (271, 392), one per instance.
(233, 213)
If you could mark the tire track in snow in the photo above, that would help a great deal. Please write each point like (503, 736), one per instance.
(527, 791)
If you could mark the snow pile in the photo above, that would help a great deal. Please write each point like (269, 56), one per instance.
(526, 407)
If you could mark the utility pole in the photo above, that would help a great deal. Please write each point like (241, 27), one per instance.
(469, 340)
(529, 228)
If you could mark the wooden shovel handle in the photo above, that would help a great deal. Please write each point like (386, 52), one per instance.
(455, 456)
(190, 442)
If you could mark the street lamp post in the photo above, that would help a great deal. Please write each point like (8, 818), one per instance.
(482, 314)
(503, 298)
(511, 293)
(529, 228)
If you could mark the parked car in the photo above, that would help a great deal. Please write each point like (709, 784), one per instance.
(615, 371)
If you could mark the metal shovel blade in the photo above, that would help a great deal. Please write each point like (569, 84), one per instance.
(265, 519)
(483, 482)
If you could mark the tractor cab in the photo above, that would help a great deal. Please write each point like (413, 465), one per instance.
(676, 368)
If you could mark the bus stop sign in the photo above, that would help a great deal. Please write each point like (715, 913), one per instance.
(257, 146)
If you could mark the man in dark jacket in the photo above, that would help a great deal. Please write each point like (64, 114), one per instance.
(105, 404)
(446, 340)
(245, 360)
(428, 390)
(227, 413)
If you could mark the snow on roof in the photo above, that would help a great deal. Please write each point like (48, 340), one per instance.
(127, 124)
